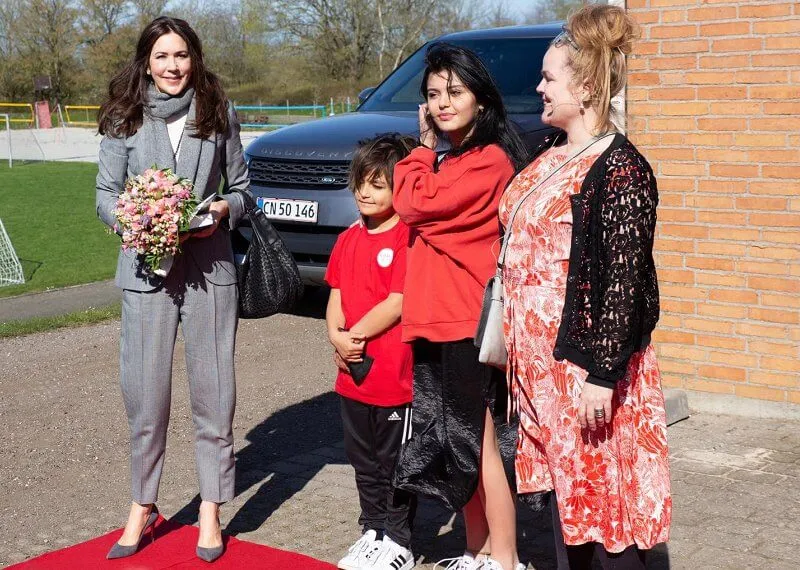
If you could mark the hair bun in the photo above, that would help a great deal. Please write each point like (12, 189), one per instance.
(600, 26)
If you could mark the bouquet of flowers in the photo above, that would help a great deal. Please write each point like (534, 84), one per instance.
(152, 210)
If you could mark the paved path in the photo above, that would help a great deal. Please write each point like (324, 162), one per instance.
(64, 465)
(59, 301)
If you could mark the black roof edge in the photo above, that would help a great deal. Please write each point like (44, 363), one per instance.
(549, 30)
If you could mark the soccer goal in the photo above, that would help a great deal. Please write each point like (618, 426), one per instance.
(10, 267)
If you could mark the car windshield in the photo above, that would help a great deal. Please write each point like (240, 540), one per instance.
(515, 64)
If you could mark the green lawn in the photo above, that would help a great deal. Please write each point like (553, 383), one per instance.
(49, 213)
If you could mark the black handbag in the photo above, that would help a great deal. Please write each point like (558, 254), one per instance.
(269, 281)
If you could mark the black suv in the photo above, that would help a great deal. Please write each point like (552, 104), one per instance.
(299, 173)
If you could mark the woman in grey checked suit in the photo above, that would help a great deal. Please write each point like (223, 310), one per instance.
(166, 109)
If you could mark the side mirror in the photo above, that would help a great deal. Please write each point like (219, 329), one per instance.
(364, 95)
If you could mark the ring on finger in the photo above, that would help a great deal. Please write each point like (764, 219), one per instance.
(599, 413)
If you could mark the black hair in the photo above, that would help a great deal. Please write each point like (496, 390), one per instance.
(492, 124)
(376, 157)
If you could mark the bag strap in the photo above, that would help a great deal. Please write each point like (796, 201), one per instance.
(502, 257)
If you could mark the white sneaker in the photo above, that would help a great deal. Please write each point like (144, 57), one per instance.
(356, 554)
(492, 564)
(393, 557)
(464, 562)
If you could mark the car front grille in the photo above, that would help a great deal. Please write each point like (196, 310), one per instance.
(299, 173)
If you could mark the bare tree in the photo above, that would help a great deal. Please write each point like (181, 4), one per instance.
(102, 17)
(552, 10)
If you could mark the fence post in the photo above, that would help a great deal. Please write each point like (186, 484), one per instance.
(333, 111)
(8, 131)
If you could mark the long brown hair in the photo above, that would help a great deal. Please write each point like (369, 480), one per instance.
(122, 112)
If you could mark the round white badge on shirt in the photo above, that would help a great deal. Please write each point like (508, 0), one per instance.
(385, 257)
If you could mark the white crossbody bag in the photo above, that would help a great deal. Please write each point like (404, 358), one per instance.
(489, 337)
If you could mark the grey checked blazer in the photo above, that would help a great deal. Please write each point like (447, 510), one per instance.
(121, 158)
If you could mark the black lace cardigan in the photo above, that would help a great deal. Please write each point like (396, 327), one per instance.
(611, 303)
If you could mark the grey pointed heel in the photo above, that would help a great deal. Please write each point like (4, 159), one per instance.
(120, 551)
(209, 554)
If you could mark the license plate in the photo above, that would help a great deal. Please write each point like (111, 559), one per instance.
(291, 210)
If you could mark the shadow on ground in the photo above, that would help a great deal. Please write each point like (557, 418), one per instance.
(286, 450)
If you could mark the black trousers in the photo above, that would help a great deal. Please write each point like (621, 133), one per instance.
(373, 436)
(579, 557)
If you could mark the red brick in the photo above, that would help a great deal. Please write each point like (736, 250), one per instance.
(685, 231)
(781, 188)
(772, 60)
(775, 316)
(721, 248)
(733, 296)
(775, 91)
(722, 373)
(710, 14)
(733, 358)
(782, 107)
(661, 32)
(676, 215)
(785, 42)
(774, 284)
(774, 155)
(762, 76)
(713, 202)
(777, 363)
(722, 217)
(763, 140)
(746, 45)
(734, 170)
(764, 10)
(774, 348)
(741, 108)
(708, 325)
(709, 386)
(735, 234)
(683, 291)
(729, 186)
(725, 61)
(725, 311)
(780, 300)
(739, 28)
(761, 393)
(731, 343)
(774, 379)
(710, 78)
(671, 93)
(765, 267)
(687, 46)
(681, 246)
(722, 93)
(710, 263)
(769, 331)
(672, 16)
(683, 168)
(721, 124)
(720, 279)
(787, 26)
(775, 220)
(775, 124)
(672, 62)
(789, 172)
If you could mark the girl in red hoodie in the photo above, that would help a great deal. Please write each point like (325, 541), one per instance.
(462, 449)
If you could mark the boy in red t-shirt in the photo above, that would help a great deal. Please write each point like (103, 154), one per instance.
(366, 273)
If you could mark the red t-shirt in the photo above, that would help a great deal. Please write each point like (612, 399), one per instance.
(366, 267)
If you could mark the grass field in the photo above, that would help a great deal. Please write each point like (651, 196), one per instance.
(49, 213)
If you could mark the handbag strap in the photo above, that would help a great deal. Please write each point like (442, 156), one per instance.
(502, 257)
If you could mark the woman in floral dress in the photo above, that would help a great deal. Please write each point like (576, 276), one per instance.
(581, 301)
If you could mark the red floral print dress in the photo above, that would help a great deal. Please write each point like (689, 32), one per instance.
(612, 486)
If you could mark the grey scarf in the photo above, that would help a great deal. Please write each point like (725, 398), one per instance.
(196, 155)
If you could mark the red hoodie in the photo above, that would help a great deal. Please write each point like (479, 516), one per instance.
(454, 236)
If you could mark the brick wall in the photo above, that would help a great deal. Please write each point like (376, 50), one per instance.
(714, 103)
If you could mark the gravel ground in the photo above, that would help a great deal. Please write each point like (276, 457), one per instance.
(64, 459)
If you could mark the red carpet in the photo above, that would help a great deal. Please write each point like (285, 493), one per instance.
(174, 549)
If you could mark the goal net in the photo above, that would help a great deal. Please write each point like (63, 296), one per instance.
(10, 267)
